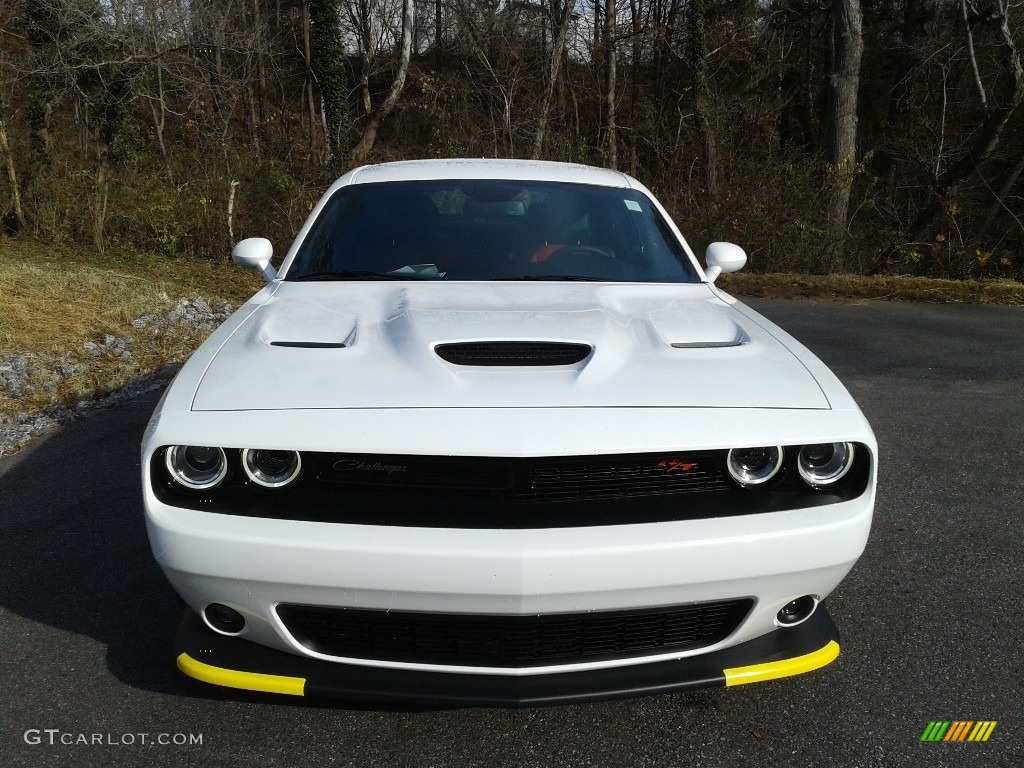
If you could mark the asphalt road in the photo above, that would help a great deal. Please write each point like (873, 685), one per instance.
(931, 616)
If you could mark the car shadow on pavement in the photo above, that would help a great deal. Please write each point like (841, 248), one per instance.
(75, 551)
(76, 559)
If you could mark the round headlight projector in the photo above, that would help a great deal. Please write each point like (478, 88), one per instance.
(754, 466)
(196, 467)
(271, 469)
(825, 463)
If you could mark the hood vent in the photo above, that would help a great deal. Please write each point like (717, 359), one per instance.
(310, 344)
(513, 353)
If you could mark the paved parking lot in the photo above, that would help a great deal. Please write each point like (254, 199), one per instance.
(931, 616)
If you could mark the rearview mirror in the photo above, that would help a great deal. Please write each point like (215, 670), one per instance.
(255, 253)
(723, 257)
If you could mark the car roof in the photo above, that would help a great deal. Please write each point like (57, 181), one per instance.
(520, 170)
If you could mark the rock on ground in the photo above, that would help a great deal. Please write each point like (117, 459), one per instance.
(25, 373)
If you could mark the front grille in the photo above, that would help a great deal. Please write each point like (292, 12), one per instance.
(510, 641)
(552, 478)
(512, 353)
(624, 476)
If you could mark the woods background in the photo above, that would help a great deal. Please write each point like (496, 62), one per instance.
(869, 136)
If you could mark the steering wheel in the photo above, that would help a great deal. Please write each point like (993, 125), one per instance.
(585, 260)
(572, 251)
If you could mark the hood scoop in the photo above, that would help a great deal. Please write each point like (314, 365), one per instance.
(310, 344)
(697, 328)
(513, 353)
(306, 325)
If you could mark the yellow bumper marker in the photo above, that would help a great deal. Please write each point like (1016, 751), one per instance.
(250, 681)
(772, 670)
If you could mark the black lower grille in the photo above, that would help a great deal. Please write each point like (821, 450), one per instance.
(510, 641)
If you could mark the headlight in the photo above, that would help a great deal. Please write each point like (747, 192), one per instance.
(196, 467)
(754, 466)
(271, 469)
(825, 463)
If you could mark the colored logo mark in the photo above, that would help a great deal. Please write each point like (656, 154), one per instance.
(958, 730)
(675, 465)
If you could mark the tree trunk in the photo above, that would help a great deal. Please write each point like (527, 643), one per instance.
(252, 116)
(259, 50)
(329, 68)
(41, 30)
(553, 72)
(634, 78)
(12, 177)
(438, 31)
(307, 52)
(972, 56)
(369, 137)
(841, 129)
(217, 77)
(364, 68)
(698, 60)
(231, 210)
(99, 203)
(611, 138)
(159, 109)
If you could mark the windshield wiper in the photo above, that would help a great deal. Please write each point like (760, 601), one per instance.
(352, 274)
(579, 278)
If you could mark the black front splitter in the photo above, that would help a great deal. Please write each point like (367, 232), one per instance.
(235, 663)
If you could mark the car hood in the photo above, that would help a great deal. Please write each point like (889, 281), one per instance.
(373, 345)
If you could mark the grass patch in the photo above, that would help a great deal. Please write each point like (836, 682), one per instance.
(856, 287)
(56, 300)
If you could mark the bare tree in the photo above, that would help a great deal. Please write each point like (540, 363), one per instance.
(376, 117)
(698, 14)
(308, 78)
(12, 175)
(841, 127)
(610, 126)
(561, 24)
(986, 137)
(494, 67)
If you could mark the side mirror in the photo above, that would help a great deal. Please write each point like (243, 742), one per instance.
(254, 253)
(723, 257)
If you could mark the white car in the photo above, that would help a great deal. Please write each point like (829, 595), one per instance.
(492, 436)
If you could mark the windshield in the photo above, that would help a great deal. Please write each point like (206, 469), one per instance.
(490, 230)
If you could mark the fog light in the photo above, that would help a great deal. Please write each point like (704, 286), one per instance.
(197, 467)
(796, 611)
(754, 466)
(223, 619)
(271, 469)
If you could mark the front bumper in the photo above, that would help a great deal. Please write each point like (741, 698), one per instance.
(235, 663)
(253, 565)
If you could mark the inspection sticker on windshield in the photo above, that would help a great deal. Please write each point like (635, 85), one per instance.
(633, 205)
